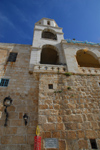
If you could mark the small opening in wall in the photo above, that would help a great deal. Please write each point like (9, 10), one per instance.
(99, 83)
(12, 57)
(48, 22)
(93, 144)
(50, 86)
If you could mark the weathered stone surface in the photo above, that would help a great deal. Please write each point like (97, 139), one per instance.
(62, 144)
(18, 139)
(71, 135)
(56, 134)
(71, 126)
(91, 134)
(80, 134)
(83, 144)
(60, 126)
(49, 127)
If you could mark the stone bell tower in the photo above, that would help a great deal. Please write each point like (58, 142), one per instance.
(46, 45)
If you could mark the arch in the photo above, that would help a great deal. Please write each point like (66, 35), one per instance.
(49, 55)
(87, 59)
(49, 34)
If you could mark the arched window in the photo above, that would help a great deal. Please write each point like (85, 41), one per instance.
(49, 34)
(48, 22)
(87, 59)
(49, 55)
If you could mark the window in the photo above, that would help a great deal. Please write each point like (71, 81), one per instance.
(12, 57)
(49, 34)
(50, 86)
(4, 82)
(48, 22)
(93, 144)
(49, 55)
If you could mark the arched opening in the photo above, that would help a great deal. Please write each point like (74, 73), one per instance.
(87, 59)
(49, 34)
(48, 22)
(49, 55)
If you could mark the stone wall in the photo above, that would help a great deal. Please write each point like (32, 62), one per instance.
(70, 111)
(23, 89)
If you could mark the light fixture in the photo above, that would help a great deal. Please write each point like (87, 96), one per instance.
(7, 102)
(25, 117)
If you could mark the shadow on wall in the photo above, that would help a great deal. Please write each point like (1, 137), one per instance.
(87, 59)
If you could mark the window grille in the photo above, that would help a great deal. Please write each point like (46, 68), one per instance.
(50, 86)
(12, 57)
(4, 82)
(49, 35)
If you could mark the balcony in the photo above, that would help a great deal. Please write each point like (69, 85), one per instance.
(49, 68)
(89, 70)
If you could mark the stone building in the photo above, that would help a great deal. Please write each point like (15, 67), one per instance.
(56, 83)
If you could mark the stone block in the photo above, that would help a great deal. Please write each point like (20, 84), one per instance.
(6, 140)
(90, 117)
(62, 145)
(13, 115)
(20, 115)
(91, 134)
(21, 130)
(52, 119)
(56, 106)
(10, 130)
(49, 127)
(70, 126)
(59, 119)
(60, 126)
(83, 144)
(73, 118)
(46, 134)
(11, 108)
(26, 147)
(18, 140)
(71, 135)
(31, 130)
(94, 125)
(30, 139)
(42, 119)
(80, 134)
(43, 106)
(16, 122)
(10, 147)
(1, 107)
(71, 106)
(56, 134)
(63, 135)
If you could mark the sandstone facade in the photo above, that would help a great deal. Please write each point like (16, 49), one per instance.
(65, 106)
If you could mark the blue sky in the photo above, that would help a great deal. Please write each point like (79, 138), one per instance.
(80, 19)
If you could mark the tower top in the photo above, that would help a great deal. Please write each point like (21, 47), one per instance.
(47, 22)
